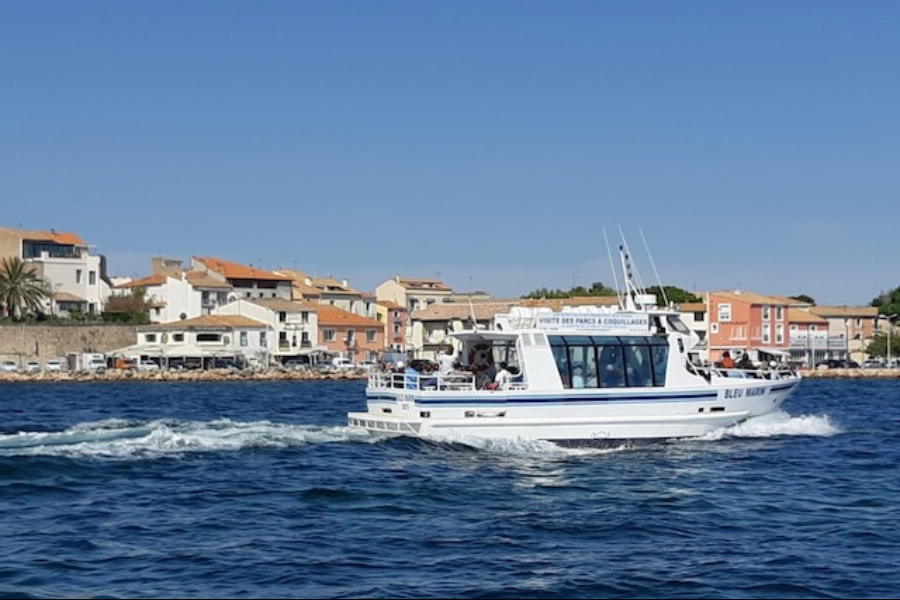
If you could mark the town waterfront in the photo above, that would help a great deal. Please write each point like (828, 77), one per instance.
(249, 489)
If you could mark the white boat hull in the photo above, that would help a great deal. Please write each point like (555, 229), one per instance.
(581, 416)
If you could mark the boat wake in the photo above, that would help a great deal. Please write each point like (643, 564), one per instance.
(123, 439)
(777, 424)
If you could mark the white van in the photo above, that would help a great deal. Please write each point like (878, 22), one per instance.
(342, 363)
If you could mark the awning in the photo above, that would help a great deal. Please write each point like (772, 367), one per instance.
(774, 351)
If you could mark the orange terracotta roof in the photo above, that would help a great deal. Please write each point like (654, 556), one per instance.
(67, 297)
(150, 281)
(845, 311)
(448, 311)
(60, 237)
(199, 279)
(330, 315)
(754, 298)
(423, 284)
(293, 274)
(799, 315)
(332, 286)
(209, 322)
(237, 271)
(391, 305)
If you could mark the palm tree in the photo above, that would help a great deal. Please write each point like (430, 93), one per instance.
(22, 292)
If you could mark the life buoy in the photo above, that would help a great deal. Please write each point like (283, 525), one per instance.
(481, 357)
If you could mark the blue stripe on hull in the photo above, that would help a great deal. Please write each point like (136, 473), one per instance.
(533, 400)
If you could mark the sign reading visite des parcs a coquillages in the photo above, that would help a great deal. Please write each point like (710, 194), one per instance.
(620, 322)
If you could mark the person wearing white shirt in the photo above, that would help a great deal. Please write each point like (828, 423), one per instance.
(503, 378)
(446, 361)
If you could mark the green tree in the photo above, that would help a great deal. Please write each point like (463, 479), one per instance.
(803, 298)
(596, 289)
(673, 294)
(22, 292)
(888, 303)
(130, 308)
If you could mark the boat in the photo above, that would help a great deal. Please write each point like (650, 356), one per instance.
(580, 375)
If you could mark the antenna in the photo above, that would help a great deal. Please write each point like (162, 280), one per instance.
(472, 308)
(662, 290)
(612, 267)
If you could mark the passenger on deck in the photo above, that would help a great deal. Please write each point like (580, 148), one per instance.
(577, 376)
(502, 379)
(446, 361)
(727, 361)
(412, 378)
(745, 362)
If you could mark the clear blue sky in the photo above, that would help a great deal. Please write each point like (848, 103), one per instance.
(488, 143)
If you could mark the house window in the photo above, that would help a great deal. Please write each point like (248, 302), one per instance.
(779, 313)
(714, 328)
(244, 338)
(262, 339)
(304, 317)
(767, 334)
(178, 337)
(371, 335)
(282, 316)
(77, 275)
(859, 323)
(699, 317)
(92, 277)
(724, 313)
(304, 338)
(767, 313)
(151, 338)
(779, 333)
(329, 335)
(208, 338)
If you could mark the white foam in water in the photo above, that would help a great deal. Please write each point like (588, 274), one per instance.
(777, 424)
(120, 439)
(515, 447)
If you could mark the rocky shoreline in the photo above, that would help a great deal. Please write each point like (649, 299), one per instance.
(280, 375)
(114, 375)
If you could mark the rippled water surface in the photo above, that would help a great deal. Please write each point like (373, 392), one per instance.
(258, 490)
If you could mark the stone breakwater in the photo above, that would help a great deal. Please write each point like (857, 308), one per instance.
(851, 373)
(211, 375)
(277, 375)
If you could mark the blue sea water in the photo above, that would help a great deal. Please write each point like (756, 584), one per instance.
(258, 490)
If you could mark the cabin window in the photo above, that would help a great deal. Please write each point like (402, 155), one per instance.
(610, 361)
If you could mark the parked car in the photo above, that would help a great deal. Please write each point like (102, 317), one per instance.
(53, 365)
(342, 363)
(225, 363)
(838, 363)
(32, 366)
(8, 366)
(873, 364)
(148, 365)
(295, 365)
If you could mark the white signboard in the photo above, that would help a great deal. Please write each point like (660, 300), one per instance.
(593, 323)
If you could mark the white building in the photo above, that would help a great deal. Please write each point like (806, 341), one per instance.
(202, 341)
(292, 327)
(76, 277)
